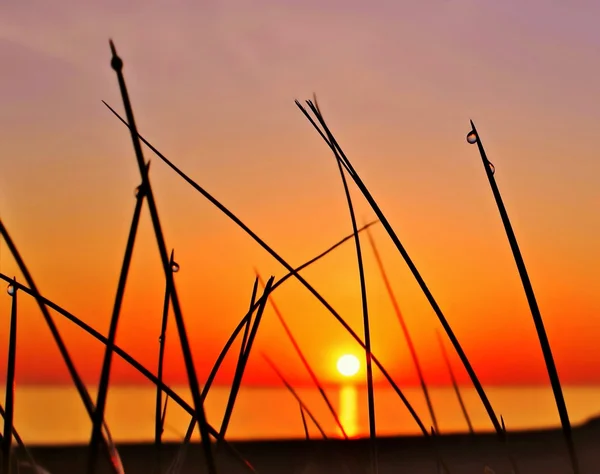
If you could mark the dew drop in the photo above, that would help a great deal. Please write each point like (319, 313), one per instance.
(174, 267)
(472, 137)
(137, 191)
(10, 289)
(160, 339)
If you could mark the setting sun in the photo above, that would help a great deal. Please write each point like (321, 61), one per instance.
(348, 365)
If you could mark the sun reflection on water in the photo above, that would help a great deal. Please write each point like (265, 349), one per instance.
(349, 409)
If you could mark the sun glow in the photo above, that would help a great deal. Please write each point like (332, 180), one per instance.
(348, 365)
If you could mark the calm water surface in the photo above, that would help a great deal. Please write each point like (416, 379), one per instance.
(53, 415)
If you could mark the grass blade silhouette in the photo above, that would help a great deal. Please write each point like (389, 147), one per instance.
(77, 381)
(10, 382)
(160, 412)
(244, 323)
(98, 418)
(474, 138)
(296, 396)
(285, 264)
(306, 434)
(117, 65)
(405, 331)
(126, 357)
(424, 288)
(241, 367)
(365, 307)
(310, 371)
(455, 384)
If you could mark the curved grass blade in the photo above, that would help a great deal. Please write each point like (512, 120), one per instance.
(365, 308)
(117, 65)
(285, 264)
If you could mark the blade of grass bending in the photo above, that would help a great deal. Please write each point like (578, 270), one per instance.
(461, 353)
(473, 137)
(365, 309)
(306, 434)
(287, 266)
(239, 374)
(78, 382)
(293, 392)
(117, 65)
(405, 331)
(98, 417)
(125, 356)
(455, 384)
(159, 415)
(10, 381)
(310, 371)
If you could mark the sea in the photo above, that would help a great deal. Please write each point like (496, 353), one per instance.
(53, 415)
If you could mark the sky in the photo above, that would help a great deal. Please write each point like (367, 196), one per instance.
(213, 87)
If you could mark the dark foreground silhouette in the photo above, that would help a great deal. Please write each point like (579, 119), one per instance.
(540, 451)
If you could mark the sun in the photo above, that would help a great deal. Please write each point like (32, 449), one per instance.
(348, 365)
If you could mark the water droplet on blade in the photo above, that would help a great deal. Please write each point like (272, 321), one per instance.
(472, 137)
(10, 289)
(174, 267)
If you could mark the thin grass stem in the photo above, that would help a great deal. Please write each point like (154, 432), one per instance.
(98, 417)
(243, 360)
(160, 412)
(531, 300)
(10, 382)
(463, 407)
(117, 65)
(365, 307)
(306, 434)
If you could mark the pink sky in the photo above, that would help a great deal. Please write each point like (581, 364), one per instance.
(213, 86)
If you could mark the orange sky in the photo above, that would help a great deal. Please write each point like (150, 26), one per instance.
(213, 87)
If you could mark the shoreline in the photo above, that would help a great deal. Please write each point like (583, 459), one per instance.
(534, 451)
